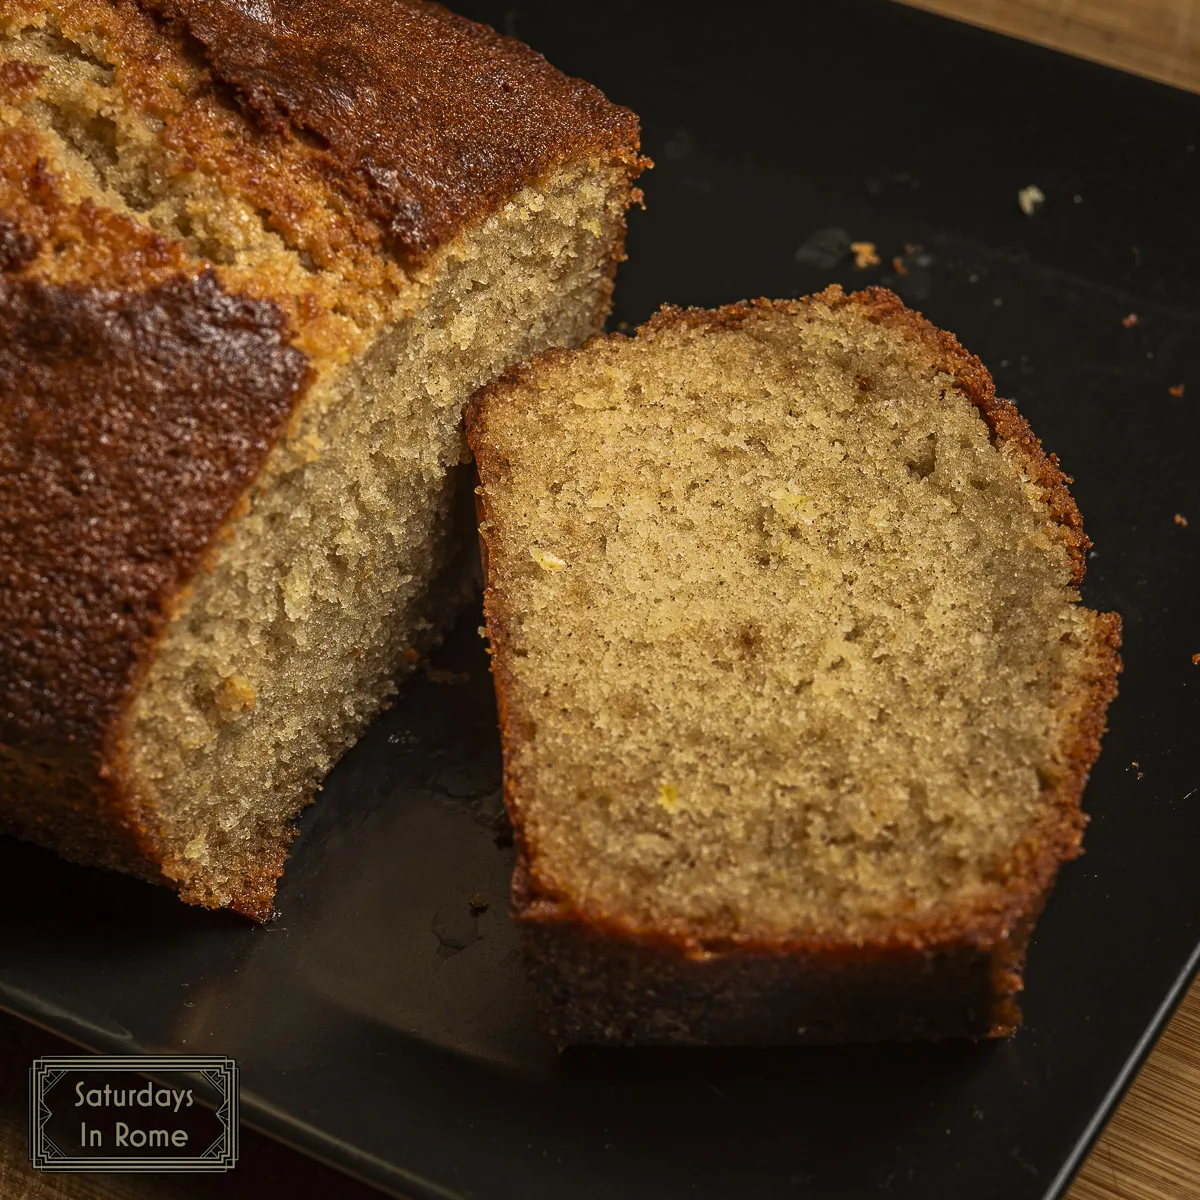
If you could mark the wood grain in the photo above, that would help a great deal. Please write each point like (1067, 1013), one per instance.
(1156, 38)
(1151, 1148)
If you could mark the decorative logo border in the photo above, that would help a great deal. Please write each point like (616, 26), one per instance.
(221, 1074)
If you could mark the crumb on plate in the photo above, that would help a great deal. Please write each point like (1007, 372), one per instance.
(1030, 199)
(864, 254)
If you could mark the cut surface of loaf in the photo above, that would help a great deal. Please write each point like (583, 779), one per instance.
(797, 696)
(252, 264)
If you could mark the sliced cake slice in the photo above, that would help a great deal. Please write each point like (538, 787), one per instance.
(797, 695)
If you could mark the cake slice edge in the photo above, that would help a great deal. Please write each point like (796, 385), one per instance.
(602, 978)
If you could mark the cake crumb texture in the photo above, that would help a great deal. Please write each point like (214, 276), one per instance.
(813, 672)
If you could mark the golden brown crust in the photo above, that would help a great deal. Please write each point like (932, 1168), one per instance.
(290, 110)
(206, 143)
(50, 231)
(491, 114)
(69, 806)
(560, 935)
(134, 421)
(141, 400)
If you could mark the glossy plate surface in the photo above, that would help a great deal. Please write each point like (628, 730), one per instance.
(383, 1025)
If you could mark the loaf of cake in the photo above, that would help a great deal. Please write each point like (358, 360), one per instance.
(797, 695)
(254, 258)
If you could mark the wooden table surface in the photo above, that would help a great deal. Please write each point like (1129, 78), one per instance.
(1157, 38)
(1151, 1148)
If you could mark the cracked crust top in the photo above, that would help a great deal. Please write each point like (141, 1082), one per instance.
(422, 119)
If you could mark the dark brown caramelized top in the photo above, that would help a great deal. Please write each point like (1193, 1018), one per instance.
(423, 118)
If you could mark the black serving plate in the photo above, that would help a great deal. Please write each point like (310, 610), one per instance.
(383, 1027)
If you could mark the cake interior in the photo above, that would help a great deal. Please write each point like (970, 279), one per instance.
(789, 646)
(287, 647)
